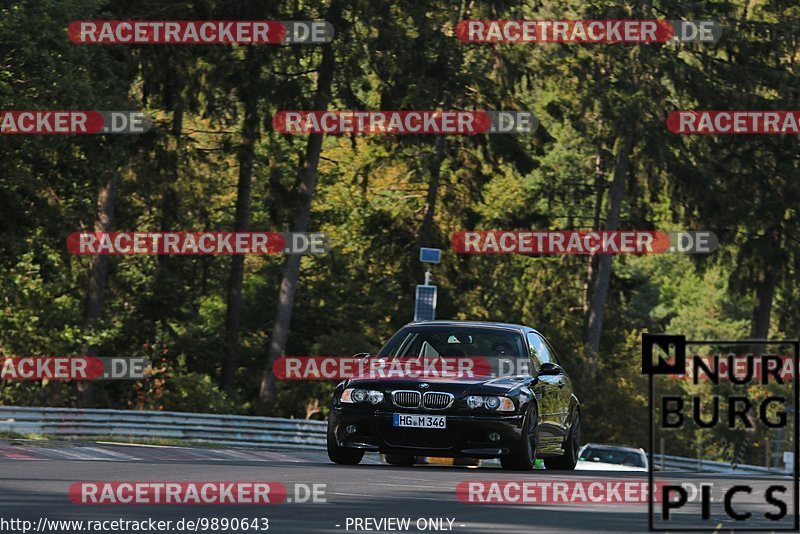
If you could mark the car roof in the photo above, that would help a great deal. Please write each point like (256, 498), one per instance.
(474, 324)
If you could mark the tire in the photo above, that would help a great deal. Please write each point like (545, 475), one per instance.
(522, 456)
(341, 455)
(568, 460)
(403, 460)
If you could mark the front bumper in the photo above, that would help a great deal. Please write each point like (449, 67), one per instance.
(465, 435)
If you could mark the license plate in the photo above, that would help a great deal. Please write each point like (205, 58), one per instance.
(420, 421)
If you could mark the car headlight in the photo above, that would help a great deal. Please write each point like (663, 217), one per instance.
(352, 395)
(491, 402)
(500, 404)
(474, 401)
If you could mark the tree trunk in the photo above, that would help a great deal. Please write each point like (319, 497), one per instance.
(762, 307)
(170, 204)
(241, 222)
(425, 235)
(599, 188)
(426, 230)
(766, 282)
(170, 201)
(601, 285)
(98, 277)
(308, 183)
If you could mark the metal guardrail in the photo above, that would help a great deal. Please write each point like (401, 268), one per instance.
(679, 463)
(268, 432)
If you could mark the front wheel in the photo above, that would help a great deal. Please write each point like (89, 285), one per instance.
(522, 456)
(341, 455)
(568, 460)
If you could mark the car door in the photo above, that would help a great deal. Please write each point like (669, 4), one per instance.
(548, 392)
(564, 387)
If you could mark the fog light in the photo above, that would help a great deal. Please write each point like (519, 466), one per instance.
(350, 429)
(494, 436)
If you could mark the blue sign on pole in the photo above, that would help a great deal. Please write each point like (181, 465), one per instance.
(430, 255)
(425, 309)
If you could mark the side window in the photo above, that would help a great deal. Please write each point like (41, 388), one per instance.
(534, 345)
(553, 355)
(539, 349)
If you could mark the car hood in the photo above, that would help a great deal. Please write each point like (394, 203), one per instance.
(456, 386)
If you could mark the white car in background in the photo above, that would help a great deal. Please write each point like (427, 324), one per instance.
(600, 457)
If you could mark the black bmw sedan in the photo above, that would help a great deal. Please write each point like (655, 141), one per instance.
(522, 410)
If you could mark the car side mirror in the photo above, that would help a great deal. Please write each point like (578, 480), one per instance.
(550, 368)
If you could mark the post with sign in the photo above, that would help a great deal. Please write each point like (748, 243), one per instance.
(425, 308)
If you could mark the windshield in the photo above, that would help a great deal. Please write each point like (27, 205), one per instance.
(426, 341)
(613, 456)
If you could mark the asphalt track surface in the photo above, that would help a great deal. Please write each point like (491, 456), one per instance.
(34, 482)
